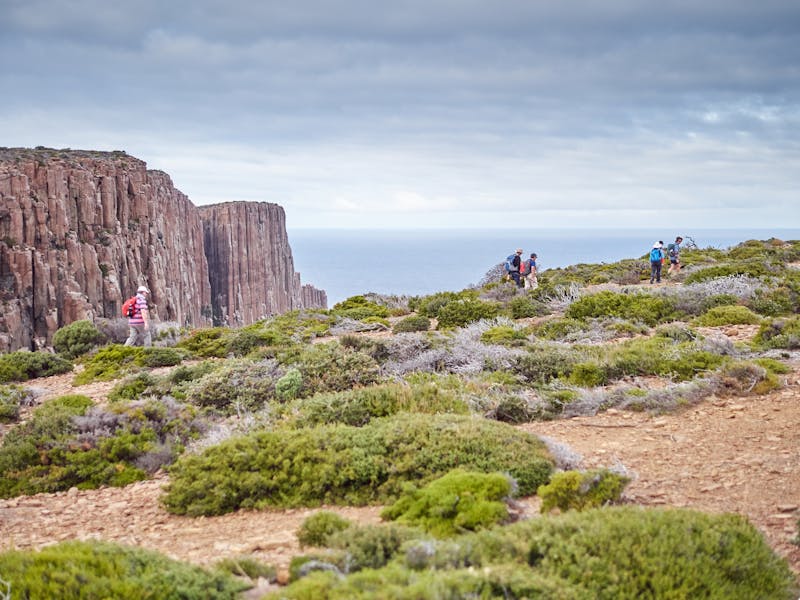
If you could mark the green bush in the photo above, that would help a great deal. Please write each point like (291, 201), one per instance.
(241, 384)
(457, 502)
(775, 302)
(659, 356)
(650, 310)
(753, 268)
(615, 553)
(76, 339)
(131, 387)
(576, 490)
(429, 306)
(462, 312)
(588, 374)
(359, 406)
(412, 323)
(742, 378)
(542, 364)
(115, 361)
(247, 566)
(105, 570)
(339, 464)
(727, 315)
(320, 526)
(207, 343)
(522, 307)
(289, 385)
(504, 335)
(23, 365)
(779, 333)
(12, 398)
(332, 368)
(359, 308)
(558, 329)
(65, 445)
(370, 546)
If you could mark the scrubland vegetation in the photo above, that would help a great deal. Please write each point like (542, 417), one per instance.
(310, 408)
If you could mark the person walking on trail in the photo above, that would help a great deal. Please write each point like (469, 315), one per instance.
(673, 251)
(139, 321)
(656, 259)
(515, 266)
(531, 282)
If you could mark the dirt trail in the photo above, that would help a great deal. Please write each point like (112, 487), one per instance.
(740, 455)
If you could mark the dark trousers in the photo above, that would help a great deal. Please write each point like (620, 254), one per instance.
(655, 271)
(515, 277)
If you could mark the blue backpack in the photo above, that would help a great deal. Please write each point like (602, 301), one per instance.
(655, 255)
(510, 263)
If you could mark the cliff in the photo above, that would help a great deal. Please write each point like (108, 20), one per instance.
(80, 230)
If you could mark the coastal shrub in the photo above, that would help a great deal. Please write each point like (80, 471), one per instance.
(338, 464)
(359, 308)
(332, 368)
(23, 365)
(132, 387)
(650, 310)
(742, 378)
(612, 553)
(289, 385)
(579, 490)
(377, 348)
(239, 385)
(359, 406)
(779, 333)
(557, 329)
(542, 364)
(316, 529)
(67, 444)
(12, 398)
(727, 315)
(504, 335)
(247, 566)
(115, 361)
(750, 268)
(76, 339)
(677, 332)
(206, 343)
(588, 374)
(412, 323)
(512, 408)
(659, 356)
(457, 502)
(160, 357)
(370, 546)
(78, 570)
(429, 306)
(777, 301)
(522, 307)
(461, 312)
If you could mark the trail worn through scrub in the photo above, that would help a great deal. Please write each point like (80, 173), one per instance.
(725, 455)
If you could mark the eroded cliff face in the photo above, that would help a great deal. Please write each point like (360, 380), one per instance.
(80, 230)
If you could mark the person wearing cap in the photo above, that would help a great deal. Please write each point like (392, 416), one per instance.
(656, 259)
(139, 322)
(531, 282)
(674, 251)
(516, 263)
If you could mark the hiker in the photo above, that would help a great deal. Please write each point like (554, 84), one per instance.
(673, 251)
(656, 259)
(531, 282)
(139, 321)
(513, 265)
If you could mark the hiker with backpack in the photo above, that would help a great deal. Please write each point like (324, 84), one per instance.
(673, 251)
(138, 318)
(656, 259)
(529, 270)
(513, 265)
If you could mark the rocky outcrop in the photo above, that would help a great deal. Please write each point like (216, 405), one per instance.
(80, 230)
(250, 263)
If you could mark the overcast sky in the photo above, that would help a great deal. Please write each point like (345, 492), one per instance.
(434, 113)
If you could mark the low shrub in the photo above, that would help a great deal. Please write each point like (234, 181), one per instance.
(77, 570)
(337, 464)
(239, 385)
(316, 529)
(131, 387)
(650, 310)
(359, 308)
(522, 307)
(727, 315)
(576, 490)
(504, 335)
(558, 329)
(370, 546)
(659, 356)
(429, 306)
(206, 343)
(742, 378)
(512, 408)
(115, 361)
(457, 502)
(12, 398)
(332, 368)
(751, 268)
(23, 365)
(779, 333)
(412, 323)
(775, 302)
(542, 364)
(588, 374)
(613, 553)
(461, 312)
(76, 339)
(247, 566)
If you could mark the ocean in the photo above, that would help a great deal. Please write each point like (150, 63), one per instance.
(416, 262)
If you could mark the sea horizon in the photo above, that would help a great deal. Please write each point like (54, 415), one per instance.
(349, 262)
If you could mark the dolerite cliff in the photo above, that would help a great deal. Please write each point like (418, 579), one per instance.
(80, 230)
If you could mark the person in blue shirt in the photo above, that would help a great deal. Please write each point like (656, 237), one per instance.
(656, 259)
(531, 283)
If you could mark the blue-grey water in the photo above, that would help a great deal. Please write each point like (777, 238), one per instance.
(349, 262)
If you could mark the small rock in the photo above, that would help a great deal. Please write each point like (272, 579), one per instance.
(72, 492)
(787, 508)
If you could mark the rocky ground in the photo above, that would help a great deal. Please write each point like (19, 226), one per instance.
(724, 455)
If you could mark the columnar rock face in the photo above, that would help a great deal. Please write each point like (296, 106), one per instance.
(80, 230)
(250, 263)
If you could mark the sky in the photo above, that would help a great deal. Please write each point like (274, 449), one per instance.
(429, 113)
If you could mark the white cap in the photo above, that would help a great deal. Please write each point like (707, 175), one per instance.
(656, 245)
(142, 288)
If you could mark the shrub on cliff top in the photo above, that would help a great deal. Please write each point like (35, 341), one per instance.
(727, 315)
(650, 310)
(112, 362)
(349, 465)
(76, 339)
(76, 570)
(576, 490)
(23, 365)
